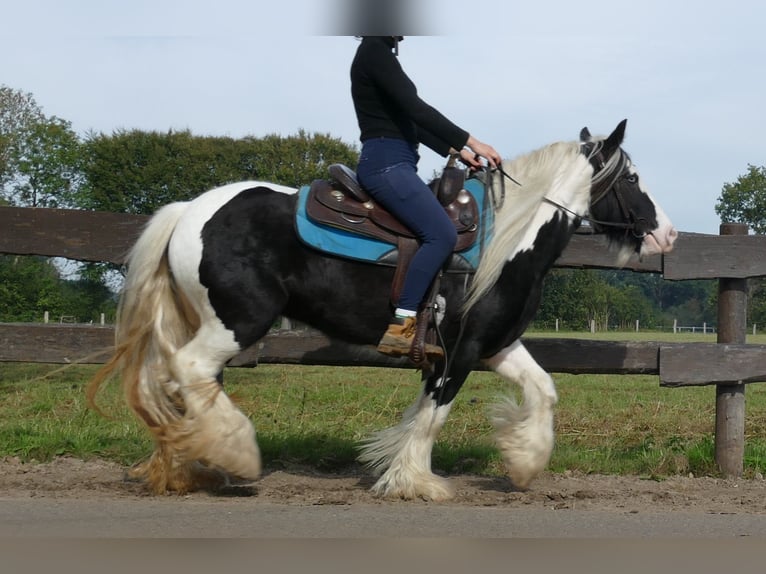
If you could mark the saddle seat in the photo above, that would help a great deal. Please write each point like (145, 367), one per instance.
(342, 203)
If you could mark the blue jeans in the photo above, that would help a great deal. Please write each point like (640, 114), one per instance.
(388, 171)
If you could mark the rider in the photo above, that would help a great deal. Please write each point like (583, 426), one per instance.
(393, 120)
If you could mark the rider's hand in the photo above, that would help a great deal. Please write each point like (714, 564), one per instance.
(470, 159)
(483, 150)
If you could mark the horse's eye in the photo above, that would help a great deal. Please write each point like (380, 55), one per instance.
(631, 178)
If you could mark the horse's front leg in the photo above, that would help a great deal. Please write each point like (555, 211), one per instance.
(402, 453)
(524, 433)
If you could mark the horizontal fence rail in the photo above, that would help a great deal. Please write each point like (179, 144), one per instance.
(677, 364)
(107, 237)
(731, 257)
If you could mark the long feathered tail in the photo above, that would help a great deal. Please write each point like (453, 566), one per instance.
(152, 323)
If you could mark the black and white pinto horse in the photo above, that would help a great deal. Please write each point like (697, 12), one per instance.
(208, 278)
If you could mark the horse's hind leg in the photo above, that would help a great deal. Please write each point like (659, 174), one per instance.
(212, 429)
(524, 433)
(403, 453)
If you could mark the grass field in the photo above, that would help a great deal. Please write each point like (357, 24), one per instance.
(314, 416)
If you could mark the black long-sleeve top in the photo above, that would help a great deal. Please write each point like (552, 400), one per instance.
(387, 102)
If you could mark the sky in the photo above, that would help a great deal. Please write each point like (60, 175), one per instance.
(688, 76)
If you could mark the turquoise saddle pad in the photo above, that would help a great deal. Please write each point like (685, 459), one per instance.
(361, 248)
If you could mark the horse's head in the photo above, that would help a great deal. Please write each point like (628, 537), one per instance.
(620, 206)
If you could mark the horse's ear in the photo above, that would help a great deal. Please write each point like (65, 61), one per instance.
(614, 140)
(585, 135)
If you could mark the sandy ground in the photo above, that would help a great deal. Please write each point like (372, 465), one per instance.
(97, 479)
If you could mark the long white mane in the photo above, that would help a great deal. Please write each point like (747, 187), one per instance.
(558, 172)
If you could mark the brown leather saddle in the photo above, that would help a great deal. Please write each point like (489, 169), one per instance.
(342, 203)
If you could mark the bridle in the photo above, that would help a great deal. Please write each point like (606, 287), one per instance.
(606, 174)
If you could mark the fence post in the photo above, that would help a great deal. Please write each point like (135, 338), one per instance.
(730, 399)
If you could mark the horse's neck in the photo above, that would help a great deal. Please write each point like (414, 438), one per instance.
(558, 172)
(556, 178)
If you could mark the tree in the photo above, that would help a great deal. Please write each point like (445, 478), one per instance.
(620, 297)
(18, 113)
(28, 288)
(138, 172)
(39, 156)
(630, 304)
(86, 298)
(745, 200)
(568, 296)
(48, 165)
(294, 160)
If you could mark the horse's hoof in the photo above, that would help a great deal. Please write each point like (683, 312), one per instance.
(429, 487)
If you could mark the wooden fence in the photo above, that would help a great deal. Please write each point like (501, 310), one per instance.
(731, 257)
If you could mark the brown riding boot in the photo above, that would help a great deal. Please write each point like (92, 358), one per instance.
(397, 340)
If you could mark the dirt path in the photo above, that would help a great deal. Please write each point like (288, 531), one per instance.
(68, 478)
